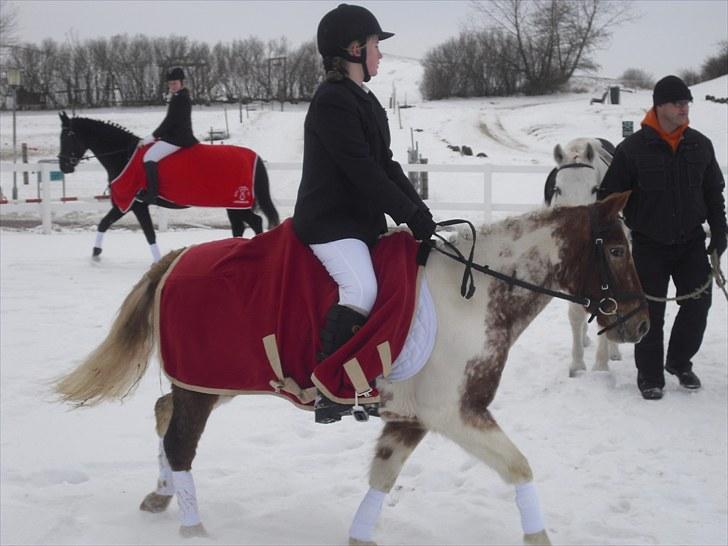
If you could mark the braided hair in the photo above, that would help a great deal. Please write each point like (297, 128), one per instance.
(335, 68)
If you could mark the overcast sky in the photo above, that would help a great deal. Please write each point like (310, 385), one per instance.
(667, 36)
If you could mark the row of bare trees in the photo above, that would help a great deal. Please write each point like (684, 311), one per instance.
(521, 46)
(129, 70)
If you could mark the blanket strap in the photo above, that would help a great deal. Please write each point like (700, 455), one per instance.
(385, 355)
(286, 384)
(356, 375)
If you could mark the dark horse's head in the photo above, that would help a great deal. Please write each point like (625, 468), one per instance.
(111, 144)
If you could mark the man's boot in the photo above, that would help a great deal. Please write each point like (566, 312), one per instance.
(341, 324)
(150, 167)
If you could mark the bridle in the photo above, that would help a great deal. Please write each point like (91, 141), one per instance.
(73, 160)
(606, 302)
(557, 190)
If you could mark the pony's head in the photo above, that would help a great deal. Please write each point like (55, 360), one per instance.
(597, 264)
(72, 145)
(581, 165)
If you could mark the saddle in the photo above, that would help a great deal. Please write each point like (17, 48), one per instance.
(201, 175)
(243, 316)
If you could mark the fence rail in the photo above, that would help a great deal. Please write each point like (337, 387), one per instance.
(45, 205)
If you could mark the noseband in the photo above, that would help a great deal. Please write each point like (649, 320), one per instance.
(605, 303)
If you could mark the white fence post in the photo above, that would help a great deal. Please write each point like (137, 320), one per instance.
(45, 204)
(487, 193)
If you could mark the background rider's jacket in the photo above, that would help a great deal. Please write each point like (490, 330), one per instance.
(349, 179)
(176, 128)
(672, 193)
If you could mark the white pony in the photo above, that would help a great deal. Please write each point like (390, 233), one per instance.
(581, 166)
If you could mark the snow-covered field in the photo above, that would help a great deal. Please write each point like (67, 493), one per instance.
(611, 468)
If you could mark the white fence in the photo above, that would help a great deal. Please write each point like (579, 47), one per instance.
(47, 205)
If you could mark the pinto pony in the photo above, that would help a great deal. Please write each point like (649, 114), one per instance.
(114, 146)
(575, 249)
(580, 168)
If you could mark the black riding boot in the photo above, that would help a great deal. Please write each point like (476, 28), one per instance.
(150, 167)
(341, 324)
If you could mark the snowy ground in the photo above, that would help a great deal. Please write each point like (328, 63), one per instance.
(610, 467)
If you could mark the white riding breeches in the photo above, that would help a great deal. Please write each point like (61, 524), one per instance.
(159, 150)
(349, 263)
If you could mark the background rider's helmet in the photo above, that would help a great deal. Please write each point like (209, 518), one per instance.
(175, 74)
(346, 24)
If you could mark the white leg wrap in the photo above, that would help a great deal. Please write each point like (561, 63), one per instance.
(165, 486)
(367, 515)
(528, 505)
(99, 239)
(184, 488)
(155, 252)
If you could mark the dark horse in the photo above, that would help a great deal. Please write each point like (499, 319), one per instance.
(114, 145)
(581, 250)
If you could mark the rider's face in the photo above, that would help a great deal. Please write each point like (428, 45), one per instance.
(174, 85)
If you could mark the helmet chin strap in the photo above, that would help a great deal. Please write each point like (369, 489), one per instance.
(362, 60)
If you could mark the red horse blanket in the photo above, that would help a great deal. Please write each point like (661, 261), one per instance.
(241, 315)
(203, 175)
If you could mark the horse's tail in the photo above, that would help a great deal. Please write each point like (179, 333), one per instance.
(115, 367)
(262, 194)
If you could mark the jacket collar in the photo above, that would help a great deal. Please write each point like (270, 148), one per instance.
(356, 89)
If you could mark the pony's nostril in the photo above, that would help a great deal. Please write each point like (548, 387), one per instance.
(643, 327)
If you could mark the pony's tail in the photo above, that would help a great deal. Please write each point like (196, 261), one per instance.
(114, 368)
(262, 194)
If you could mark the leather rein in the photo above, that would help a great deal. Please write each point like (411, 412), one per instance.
(606, 303)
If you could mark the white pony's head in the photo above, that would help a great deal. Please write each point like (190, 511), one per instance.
(581, 166)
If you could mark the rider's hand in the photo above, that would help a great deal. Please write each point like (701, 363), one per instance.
(422, 225)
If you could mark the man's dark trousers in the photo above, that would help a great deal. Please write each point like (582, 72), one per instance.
(687, 264)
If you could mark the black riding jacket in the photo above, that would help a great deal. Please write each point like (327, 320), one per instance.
(672, 193)
(349, 178)
(176, 127)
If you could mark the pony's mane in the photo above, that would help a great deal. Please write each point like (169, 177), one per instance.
(104, 129)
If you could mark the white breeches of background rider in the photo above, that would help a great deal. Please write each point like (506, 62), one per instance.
(159, 150)
(349, 263)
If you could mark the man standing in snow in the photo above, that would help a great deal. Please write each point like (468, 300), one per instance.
(676, 185)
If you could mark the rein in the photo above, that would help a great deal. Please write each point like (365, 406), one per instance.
(608, 302)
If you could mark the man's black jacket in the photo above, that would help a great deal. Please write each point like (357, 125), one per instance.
(672, 193)
(176, 128)
(349, 178)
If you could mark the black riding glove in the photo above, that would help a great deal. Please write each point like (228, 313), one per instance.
(422, 225)
(717, 243)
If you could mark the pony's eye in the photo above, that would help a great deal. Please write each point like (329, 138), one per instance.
(617, 251)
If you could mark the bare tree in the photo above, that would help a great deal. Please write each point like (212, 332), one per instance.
(553, 38)
(638, 78)
(8, 23)
(717, 65)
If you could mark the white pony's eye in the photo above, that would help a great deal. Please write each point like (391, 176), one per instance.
(617, 251)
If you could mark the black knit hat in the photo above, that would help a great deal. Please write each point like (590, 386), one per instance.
(175, 74)
(670, 89)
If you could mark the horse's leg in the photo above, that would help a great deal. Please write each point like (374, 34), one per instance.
(576, 319)
(112, 216)
(254, 221)
(141, 211)
(486, 441)
(613, 349)
(262, 194)
(236, 222)
(189, 414)
(396, 443)
(158, 500)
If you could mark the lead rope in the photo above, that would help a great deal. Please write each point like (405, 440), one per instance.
(714, 274)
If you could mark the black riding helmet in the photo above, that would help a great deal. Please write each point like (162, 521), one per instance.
(175, 74)
(346, 24)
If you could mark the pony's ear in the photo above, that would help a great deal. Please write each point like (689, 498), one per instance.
(613, 205)
(64, 118)
(558, 154)
(589, 152)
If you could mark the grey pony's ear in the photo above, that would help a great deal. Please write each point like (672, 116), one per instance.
(558, 154)
(589, 152)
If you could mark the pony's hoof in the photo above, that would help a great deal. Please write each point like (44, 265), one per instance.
(191, 531)
(357, 542)
(155, 502)
(539, 539)
(576, 372)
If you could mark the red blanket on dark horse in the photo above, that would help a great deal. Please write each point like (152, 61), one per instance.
(203, 175)
(243, 316)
